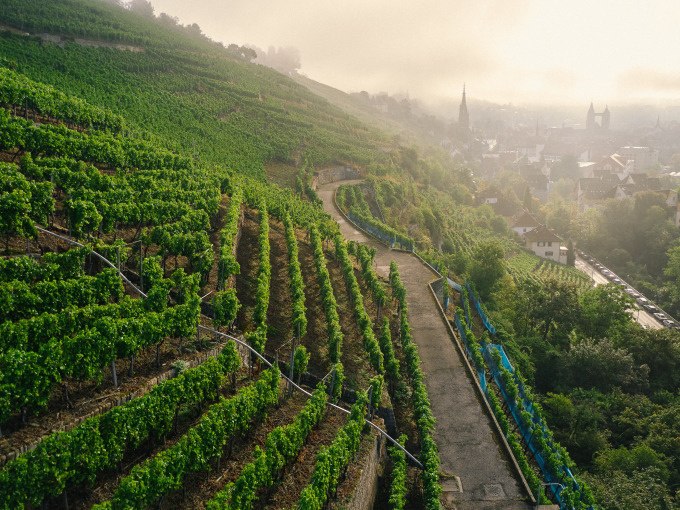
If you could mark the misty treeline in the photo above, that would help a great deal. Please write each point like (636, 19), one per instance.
(284, 59)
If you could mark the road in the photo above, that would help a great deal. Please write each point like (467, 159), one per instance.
(468, 445)
(644, 318)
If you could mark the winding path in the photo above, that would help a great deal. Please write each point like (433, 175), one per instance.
(468, 445)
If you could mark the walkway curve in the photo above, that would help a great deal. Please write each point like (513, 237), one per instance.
(468, 445)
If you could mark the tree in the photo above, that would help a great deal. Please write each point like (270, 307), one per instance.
(604, 311)
(566, 168)
(487, 267)
(548, 306)
(641, 490)
(141, 7)
(599, 364)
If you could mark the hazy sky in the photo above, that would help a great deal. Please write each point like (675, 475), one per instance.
(538, 51)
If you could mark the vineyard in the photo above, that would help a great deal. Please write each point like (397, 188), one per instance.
(124, 265)
(524, 265)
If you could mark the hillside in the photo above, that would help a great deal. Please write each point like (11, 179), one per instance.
(153, 270)
(181, 87)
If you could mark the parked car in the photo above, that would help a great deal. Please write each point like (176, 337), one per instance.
(632, 292)
(660, 316)
(643, 301)
(669, 323)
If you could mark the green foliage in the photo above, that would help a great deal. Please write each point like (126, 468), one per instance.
(64, 459)
(332, 461)
(330, 305)
(364, 322)
(258, 338)
(297, 285)
(421, 403)
(227, 264)
(149, 481)
(79, 344)
(487, 267)
(225, 307)
(281, 448)
(300, 360)
(398, 487)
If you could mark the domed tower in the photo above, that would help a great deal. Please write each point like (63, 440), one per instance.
(463, 116)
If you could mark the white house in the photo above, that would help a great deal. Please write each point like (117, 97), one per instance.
(546, 244)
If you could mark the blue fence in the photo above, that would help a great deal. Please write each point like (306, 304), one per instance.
(482, 314)
(481, 372)
(536, 425)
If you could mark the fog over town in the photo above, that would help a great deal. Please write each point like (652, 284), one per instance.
(508, 51)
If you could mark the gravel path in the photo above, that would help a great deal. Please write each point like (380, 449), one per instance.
(468, 445)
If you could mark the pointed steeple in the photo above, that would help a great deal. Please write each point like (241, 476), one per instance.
(590, 118)
(658, 123)
(463, 116)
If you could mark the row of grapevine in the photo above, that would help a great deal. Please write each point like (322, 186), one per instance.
(115, 152)
(280, 448)
(363, 320)
(31, 333)
(330, 305)
(227, 264)
(332, 461)
(149, 481)
(77, 456)
(421, 403)
(51, 266)
(22, 203)
(297, 286)
(20, 300)
(258, 338)
(27, 377)
(352, 202)
(365, 256)
(398, 488)
(17, 90)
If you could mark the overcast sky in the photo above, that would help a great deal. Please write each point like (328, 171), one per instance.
(521, 51)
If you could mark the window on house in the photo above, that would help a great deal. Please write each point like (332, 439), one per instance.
(549, 243)
(548, 254)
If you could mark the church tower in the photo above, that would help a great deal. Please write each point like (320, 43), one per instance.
(463, 117)
(605, 118)
(590, 118)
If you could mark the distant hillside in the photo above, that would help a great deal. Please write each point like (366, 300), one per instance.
(193, 93)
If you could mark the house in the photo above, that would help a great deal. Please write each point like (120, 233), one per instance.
(487, 196)
(524, 223)
(612, 164)
(546, 244)
(593, 191)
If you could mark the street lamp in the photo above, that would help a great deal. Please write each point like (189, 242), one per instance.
(545, 484)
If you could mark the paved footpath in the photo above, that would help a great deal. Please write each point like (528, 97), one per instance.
(468, 446)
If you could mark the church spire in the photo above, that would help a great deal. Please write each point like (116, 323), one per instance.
(463, 116)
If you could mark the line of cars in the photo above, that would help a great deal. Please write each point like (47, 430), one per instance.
(641, 300)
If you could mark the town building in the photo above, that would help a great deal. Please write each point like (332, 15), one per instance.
(545, 243)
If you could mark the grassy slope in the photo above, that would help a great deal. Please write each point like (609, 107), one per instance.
(185, 89)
